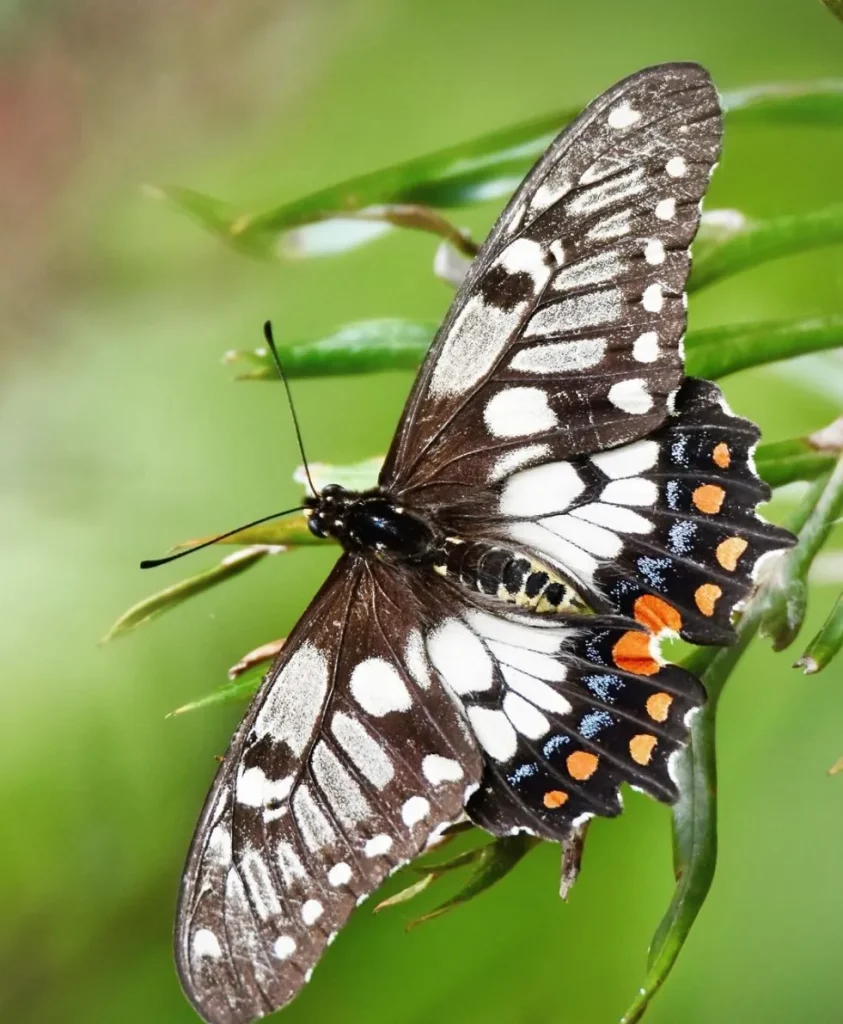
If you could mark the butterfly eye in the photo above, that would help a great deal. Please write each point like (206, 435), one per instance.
(317, 526)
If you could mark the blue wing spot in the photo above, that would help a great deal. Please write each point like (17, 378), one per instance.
(523, 771)
(680, 537)
(673, 490)
(594, 722)
(604, 687)
(652, 571)
(554, 743)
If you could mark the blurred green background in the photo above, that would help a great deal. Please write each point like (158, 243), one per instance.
(121, 433)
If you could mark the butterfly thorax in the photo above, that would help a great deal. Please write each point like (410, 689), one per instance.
(372, 522)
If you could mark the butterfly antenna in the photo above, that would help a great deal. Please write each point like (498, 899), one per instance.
(267, 333)
(152, 563)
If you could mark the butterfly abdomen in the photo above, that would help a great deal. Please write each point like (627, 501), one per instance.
(506, 575)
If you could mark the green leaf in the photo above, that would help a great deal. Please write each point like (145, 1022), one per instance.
(836, 8)
(368, 346)
(481, 169)
(759, 241)
(365, 346)
(232, 565)
(718, 351)
(245, 687)
(783, 462)
(493, 861)
(826, 644)
(695, 813)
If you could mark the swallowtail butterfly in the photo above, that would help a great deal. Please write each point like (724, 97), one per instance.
(558, 496)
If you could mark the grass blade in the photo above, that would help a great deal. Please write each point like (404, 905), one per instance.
(232, 565)
(826, 644)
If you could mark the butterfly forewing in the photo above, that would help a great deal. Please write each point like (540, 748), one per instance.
(565, 336)
(351, 758)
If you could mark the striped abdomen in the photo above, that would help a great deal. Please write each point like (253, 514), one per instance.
(510, 577)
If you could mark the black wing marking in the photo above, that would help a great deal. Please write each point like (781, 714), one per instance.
(351, 758)
(566, 710)
(565, 337)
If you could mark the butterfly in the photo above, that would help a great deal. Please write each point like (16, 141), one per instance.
(557, 498)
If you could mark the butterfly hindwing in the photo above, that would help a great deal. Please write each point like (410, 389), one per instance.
(576, 708)
(351, 758)
(565, 336)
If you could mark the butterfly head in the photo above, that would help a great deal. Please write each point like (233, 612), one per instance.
(368, 521)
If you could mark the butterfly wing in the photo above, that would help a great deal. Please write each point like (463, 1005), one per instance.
(350, 758)
(565, 336)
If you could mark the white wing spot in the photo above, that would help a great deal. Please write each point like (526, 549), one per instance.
(416, 809)
(623, 116)
(605, 266)
(437, 769)
(340, 874)
(613, 517)
(666, 209)
(645, 349)
(594, 539)
(631, 396)
(294, 702)
(528, 720)
(254, 789)
(633, 491)
(541, 490)
(205, 943)
(311, 911)
(614, 226)
(516, 412)
(537, 692)
(629, 460)
(461, 659)
(494, 732)
(416, 660)
(506, 464)
(524, 256)
(366, 754)
(676, 167)
(284, 947)
(654, 252)
(560, 356)
(653, 298)
(378, 689)
(472, 345)
(576, 313)
(378, 845)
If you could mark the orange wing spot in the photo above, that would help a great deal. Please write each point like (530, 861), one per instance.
(708, 498)
(706, 597)
(658, 705)
(641, 747)
(721, 455)
(656, 615)
(729, 551)
(554, 798)
(582, 765)
(632, 654)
